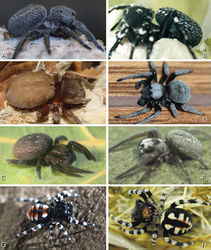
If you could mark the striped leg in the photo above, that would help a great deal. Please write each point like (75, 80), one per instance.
(135, 231)
(142, 193)
(189, 201)
(125, 223)
(155, 235)
(49, 198)
(33, 229)
(64, 231)
(163, 199)
(65, 194)
(83, 223)
(33, 200)
(175, 243)
(52, 237)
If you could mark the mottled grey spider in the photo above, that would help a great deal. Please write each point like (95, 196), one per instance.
(173, 95)
(173, 220)
(32, 22)
(178, 146)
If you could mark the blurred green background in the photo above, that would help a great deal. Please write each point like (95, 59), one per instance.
(126, 156)
(94, 138)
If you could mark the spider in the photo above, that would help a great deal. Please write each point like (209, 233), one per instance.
(136, 25)
(52, 214)
(173, 220)
(179, 145)
(38, 149)
(32, 22)
(173, 95)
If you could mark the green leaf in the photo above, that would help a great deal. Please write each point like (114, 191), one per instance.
(91, 137)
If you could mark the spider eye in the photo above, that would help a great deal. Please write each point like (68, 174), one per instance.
(142, 145)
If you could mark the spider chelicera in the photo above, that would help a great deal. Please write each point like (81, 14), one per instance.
(52, 214)
(154, 94)
(173, 220)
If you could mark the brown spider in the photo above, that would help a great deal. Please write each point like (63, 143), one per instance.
(38, 90)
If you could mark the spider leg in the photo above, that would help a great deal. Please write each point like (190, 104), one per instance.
(144, 160)
(125, 223)
(46, 35)
(134, 44)
(72, 34)
(134, 76)
(77, 146)
(49, 198)
(38, 168)
(78, 25)
(178, 73)
(142, 193)
(31, 35)
(155, 234)
(163, 199)
(153, 70)
(165, 73)
(180, 162)
(190, 109)
(152, 133)
(33, 229)
(189, 201)
(83, 223)
(34, 200)
(135, 231)
(142, 111)
(114, 47)
(149, 118)
(175, 243)
(150, 169)
(52, 237)
(62, 229)
(119, 7)
(173, 109)
(115, 25)
(70, 115)
(64, 194)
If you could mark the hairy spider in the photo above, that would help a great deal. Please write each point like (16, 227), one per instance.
(173, 220)
(52, 214)
(39, 150)
(173, 95)
(136, 25)
(32, 22)
(178, 146)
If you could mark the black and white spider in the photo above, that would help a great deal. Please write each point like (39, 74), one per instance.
(52, 214)
(32, 22)
(136, 25)
(173, 220)
(173, 95)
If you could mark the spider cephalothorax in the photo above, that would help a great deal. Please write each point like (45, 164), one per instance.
(52, 214)
(38, 149)
(173, 94)
(32, 22)
(136, 25)
(178, 146)
(173, 220)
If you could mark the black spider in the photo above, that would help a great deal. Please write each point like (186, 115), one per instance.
(39, 150)
(174, 221)
(32, 22)
(173, 95)
(136, 25)
(178, 146)
(52, 214)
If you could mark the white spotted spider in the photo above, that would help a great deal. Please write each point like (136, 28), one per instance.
(52, 214)
(173, 220)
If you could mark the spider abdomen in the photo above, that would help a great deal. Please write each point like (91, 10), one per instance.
(178, 91)
(32, 146)
(38, 213)
(184, 28)
(177, 221)
(32, 16)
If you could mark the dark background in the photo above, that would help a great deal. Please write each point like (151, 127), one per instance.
(92, 13)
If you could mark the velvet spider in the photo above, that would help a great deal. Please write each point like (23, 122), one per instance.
(178, 146)
(33, 22)
(136, 25)
(39, 150)
(173, 95)
(52, 214)
(173, 220)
